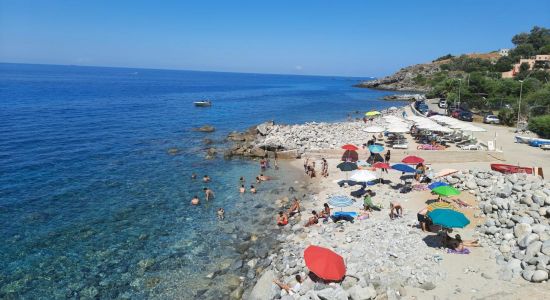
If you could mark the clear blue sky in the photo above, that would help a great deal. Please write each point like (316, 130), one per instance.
(361, 38)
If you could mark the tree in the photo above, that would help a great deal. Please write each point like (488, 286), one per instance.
(520, 38)
(503, 64)
(539, 37)
(540, 125)
(523, 50)
(545, 49)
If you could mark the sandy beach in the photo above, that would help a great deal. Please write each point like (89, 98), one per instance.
(394, 259)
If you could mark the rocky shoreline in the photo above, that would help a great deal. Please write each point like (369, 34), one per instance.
(406, 79)
(516, 208)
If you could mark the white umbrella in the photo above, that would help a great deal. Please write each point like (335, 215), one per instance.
(363, 176)
(398, 130)
(374, 129)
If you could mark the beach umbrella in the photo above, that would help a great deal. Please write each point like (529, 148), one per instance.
(372, 113)
(325, 263)
(363, 163)
(403, 168)
(440, 205)
(446, 191)
(340, 201)
(374, 129)
(433, 185)
(448, 218)
(347, 166)
(376, 148)
(445, 172)
(411, 159)
(350, 155)
(397, 129)
(350, 147)
(363, 176)
(381, 165)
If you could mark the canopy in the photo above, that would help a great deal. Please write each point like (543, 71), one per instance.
(374, 129)
(340, 201)
(372, 113)
(403, 168)
(376, 148)
(437, 184)
(448, 218)
(350, 147)
(446, 191)
(347, 166)
(381, 165)
(325, 263)
(411, 159)
(363, 176)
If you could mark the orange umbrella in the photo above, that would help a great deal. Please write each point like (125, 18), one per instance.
(350, 147)
(411, 159)
(325, 263)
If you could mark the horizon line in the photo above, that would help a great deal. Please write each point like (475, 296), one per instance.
(188, 70)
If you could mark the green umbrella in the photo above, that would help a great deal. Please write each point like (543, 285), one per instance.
(448, 218)
(446, 191)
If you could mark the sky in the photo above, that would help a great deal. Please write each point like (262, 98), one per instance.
(313, 37)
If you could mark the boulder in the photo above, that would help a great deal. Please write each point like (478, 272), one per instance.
(528, 239)
(545, 248)
(359, 293)
(263, 288)
(521, 229)
(539, 276)
(533, 249)
(538, 228)
(205, 128)
(527, 274)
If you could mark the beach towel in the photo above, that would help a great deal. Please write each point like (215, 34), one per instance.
(464, 251)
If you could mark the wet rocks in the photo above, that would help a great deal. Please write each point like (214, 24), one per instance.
(173, 151)
(205, 128)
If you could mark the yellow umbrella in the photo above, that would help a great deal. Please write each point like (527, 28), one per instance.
(372, 113)
(441, 205)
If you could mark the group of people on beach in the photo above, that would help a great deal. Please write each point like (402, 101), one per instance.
(309, 167)
(208, 193)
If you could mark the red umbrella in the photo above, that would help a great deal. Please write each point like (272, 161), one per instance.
(350, 147)
(381, 165)
(325, 263)
(412, 160)
(350, 155)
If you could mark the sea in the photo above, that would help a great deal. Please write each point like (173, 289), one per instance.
(95, 176)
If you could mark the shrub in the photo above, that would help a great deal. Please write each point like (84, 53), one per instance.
(506, 116)
(541, 126)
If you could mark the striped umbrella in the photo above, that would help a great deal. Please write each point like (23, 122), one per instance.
(440, 205)
(340, 201)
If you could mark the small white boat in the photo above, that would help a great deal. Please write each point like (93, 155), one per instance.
(523, 139)
(203, 103)
(545, 147)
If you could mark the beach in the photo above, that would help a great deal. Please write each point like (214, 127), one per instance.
(394, 259)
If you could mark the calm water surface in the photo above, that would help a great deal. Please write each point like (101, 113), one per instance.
(91, 202)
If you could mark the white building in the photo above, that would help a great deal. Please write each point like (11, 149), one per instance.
(503, 51)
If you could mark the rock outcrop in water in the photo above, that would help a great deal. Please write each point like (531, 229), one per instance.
(517, 212)
(205, 128)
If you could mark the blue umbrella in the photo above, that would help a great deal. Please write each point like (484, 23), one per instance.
(437, 184)
(448, 218)
(403, 168)
(376, 148)
(340, 201)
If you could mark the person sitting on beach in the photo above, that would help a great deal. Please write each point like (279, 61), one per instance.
(206, 178)
(423, 219)
(290, 290)
(242, 189)
(252, 189)
(314, 219)
(221, 213)
(193, 176)
(282, 219)
(325, 213)
(195, 200)
(367, 202)
(462, 243)
(396, 211)
(294, 207)
(208, 193)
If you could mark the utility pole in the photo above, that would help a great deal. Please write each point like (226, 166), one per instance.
(519, 103)
(459, 86)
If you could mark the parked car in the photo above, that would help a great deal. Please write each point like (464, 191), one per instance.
(442, 103)
(455, 113)
(491, 119)
(432, 113)
(465, 116)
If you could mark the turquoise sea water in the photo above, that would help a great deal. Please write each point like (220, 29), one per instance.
(93, 205)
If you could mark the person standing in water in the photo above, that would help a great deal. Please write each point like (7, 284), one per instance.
(195, 200)
(208, 193)
(242, 189)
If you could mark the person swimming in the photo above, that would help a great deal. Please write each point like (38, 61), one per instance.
(208, 193)
(282, 219)
(221, 213)
(252, 189)
(242, 189)
(206, 178)
(195, 200)
(193, 176)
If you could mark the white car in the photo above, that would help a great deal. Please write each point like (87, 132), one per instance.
(471, 147)
(491, 119)
(442, 103)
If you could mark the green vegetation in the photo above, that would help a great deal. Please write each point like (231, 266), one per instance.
(479, 82)
(444, 57)
(540, 125)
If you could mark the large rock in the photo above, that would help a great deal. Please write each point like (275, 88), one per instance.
(539, 276)
(528, 239)
(265, 128)
(205, 128)
(533, 249)
(521, 229)
(545, 249)
(358, 293)
(264, 287)
(333, 294)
